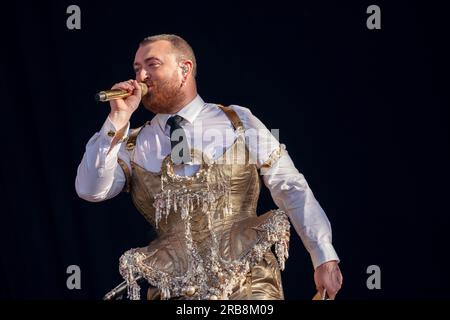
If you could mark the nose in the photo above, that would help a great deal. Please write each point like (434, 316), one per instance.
(141, 75)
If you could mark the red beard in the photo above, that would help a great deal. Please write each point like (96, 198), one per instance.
(163, 96)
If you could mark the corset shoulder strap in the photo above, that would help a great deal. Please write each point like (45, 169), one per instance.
(126, 171)
(132, 136)
(233, 116)
(131, 144)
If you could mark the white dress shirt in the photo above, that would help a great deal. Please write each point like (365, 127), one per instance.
(99, 177)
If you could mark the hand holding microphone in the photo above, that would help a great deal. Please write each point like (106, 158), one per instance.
(124, 98)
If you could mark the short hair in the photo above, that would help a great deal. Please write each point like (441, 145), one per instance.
(183, 48)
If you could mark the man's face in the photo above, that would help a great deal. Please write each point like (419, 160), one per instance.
(156, 65)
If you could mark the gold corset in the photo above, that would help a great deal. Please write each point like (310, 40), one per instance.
(209, 235)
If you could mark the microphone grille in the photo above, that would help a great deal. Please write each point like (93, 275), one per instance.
(144, 88)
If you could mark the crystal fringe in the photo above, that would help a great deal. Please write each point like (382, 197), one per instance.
(227, 274)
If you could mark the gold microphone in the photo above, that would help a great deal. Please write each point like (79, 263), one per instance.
(113, 94)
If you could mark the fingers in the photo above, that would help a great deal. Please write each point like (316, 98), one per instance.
(328, 276)
(320, 290)
(125, 85)
(333, 285)
(339, 277)
(331, 292)
(137, 89)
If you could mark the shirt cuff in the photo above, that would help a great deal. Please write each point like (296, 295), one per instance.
(323, 253)
(109, 131)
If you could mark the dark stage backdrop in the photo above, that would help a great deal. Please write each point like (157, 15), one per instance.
(362, 112)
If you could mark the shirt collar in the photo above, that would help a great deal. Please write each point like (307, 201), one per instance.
(188, 112)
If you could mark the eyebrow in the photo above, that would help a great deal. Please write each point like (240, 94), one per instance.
(137, 64)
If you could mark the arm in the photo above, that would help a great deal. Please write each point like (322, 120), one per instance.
(291, 193)
(99, 177)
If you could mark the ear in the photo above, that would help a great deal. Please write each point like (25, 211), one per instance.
(186, 68)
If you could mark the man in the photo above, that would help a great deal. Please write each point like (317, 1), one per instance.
(210, 244)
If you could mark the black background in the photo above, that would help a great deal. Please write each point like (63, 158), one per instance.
(363, 114)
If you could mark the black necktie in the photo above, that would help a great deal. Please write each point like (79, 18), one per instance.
(178, 157)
